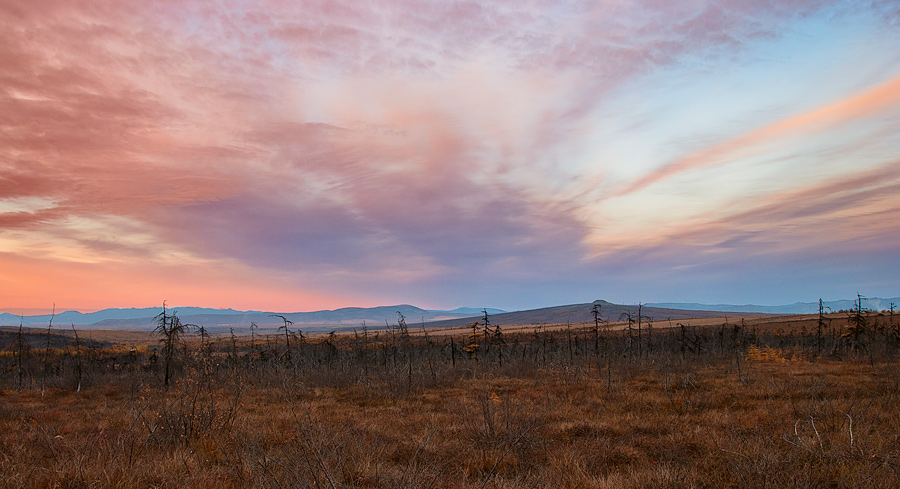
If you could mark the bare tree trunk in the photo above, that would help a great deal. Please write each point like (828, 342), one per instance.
(47, 353)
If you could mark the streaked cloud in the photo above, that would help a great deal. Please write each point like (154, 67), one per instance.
(323, 154)
(883, 97)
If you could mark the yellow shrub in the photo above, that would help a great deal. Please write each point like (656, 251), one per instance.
(764, 354)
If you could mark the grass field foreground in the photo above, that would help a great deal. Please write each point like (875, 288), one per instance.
(577, 407)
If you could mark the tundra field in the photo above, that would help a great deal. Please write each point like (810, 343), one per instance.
(792, 401)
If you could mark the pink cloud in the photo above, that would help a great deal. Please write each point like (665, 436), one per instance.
(15, 220)
(844, 111)
(333, 139)
(37, 283)
(839, 216)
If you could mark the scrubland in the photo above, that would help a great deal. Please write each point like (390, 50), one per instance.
(779, 403)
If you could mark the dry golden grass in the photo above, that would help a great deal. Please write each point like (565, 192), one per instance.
(747, 411)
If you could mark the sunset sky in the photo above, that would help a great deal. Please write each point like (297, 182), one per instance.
(294, 156)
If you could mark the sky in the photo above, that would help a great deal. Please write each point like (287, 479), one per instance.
(307, 155)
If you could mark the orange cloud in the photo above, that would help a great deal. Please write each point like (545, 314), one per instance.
(854, 214)
(382, 151)
(837, 113)
(37, 283)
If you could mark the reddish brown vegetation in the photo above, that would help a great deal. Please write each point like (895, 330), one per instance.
(768, 405)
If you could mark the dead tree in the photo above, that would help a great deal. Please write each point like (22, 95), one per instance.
(47, 352)
(595, 311)
(21, 349)
(78, 360)
(856, 325)
(253, 327)
(287, 334)
(402, 328)
(820, 332)
(171, 329)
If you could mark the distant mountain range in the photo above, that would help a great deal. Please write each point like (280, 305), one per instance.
(581, 313)
(143, 319)
(871, 303)
(375, 317)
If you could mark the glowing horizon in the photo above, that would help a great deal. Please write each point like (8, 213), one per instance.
(315, 155)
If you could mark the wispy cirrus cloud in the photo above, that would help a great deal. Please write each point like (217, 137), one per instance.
(433, 151)
(883, 97)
